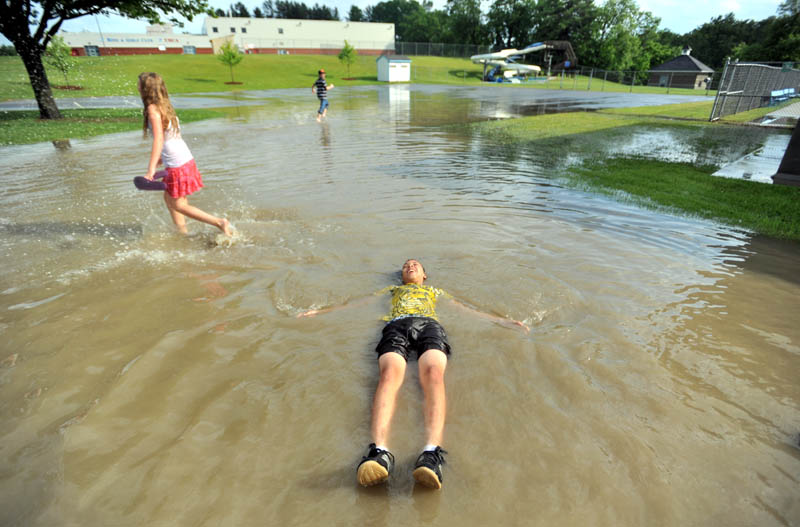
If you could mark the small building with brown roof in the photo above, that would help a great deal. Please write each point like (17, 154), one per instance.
(683, 71)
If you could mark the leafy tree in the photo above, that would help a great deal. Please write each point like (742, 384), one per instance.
(355, 14)
(615, 38)
(789, 7)
(573, 20)
(230, 55)
(321, 12)
(510, 23)
(465, 22)
(299, 10)
(7, 51)
(671, 39)
(258, 13)
(714, 41)
(395, 12)
(780, 41)
(30, 25)
(348, 56)
(658, 45)
(240, 10)
(219, 12)
(289, 9)
(58, 55)
(426, 26)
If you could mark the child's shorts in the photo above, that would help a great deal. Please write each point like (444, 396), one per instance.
(323, 104)
(413, 334)
(183, 180)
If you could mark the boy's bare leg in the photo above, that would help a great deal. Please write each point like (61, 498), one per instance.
(392, 370)
(428, 468)
(376, 466)
(432, 364)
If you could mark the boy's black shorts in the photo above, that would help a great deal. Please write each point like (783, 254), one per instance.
(413, 334)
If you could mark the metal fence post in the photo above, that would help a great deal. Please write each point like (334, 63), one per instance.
(720, 87)
(633, 76)
(591, 74)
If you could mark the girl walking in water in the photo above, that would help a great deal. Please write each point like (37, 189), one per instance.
(182, 177)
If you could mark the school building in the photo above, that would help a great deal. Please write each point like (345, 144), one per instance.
(251, 35)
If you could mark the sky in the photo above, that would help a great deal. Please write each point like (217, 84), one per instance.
(679, 16)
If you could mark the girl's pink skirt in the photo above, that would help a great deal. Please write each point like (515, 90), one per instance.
(183, 180)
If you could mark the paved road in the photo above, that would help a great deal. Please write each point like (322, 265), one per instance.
(490, 92)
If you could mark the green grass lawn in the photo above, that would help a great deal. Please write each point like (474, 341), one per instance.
(116, 75)
(773, 210)
(561, 124)
(700, 111)
(25, 127)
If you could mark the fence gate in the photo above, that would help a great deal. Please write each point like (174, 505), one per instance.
(748, 85)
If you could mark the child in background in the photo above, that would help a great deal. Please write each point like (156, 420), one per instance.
(182, 177)
(321, 87)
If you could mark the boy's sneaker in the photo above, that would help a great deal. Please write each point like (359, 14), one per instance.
(375, 466)
(428, 469)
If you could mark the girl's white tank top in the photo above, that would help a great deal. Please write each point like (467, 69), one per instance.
(175, 152)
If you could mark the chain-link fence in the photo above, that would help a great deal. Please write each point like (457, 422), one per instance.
(435, 49)
(748, 85)
(655, 81)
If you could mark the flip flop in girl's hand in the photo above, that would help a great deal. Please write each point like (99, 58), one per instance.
(142, 183)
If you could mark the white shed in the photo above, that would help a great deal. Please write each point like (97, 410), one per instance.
(394, 68)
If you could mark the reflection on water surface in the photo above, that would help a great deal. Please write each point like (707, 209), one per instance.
(153, 379)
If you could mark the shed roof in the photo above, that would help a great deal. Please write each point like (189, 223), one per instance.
(395, 58)
(683, 63)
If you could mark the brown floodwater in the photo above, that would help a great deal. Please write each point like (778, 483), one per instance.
(151, 379)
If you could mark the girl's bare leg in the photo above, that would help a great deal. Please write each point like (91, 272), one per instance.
(177, 218)
(182, 207)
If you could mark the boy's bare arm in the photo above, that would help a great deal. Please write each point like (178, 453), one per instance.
(352, 303)
(501, 320)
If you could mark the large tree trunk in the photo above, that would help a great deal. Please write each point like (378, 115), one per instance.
(32, 58)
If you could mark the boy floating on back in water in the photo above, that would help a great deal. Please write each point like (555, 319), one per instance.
(412, 330)
(321, 87)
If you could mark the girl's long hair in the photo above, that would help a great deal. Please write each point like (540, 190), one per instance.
(154, 91)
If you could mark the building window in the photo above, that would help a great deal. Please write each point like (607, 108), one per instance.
(214, 30)
(233, 30)
(280, 31)
(244, 30)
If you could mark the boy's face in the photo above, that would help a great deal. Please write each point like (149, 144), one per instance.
(413, 272)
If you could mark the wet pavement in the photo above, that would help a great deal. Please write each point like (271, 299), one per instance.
(528, 101)
(761, 164)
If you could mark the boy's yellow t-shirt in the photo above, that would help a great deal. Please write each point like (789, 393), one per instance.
(413, 300)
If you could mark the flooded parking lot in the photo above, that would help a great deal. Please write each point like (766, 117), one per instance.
(148, 378)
